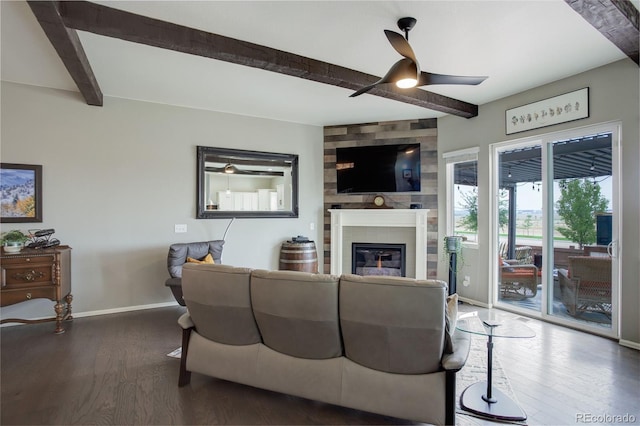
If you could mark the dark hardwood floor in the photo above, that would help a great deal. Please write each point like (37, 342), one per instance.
(113, 369)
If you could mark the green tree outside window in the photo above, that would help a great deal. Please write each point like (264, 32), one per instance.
(470, 203)
(579, 202)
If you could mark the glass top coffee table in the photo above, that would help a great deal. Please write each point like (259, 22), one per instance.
(480, 398)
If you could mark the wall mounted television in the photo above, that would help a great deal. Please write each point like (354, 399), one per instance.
(378, 168)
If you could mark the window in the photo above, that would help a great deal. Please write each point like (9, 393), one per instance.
(462, 194)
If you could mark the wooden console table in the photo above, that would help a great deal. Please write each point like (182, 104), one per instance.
(38, 273)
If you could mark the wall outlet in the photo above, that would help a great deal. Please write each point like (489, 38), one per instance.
(181, 227)
(467, 281)
(312, 226)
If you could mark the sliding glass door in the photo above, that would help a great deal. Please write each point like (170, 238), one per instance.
(556, 227)
(520, 225)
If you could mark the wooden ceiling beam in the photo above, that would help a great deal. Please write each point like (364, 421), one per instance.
(66, 42)
(109, 22)
(617, 20)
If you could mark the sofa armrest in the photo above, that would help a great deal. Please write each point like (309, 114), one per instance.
(566, 282)
(461, 345)
(185, 321)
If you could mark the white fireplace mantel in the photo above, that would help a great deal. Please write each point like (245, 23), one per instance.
(388, 218)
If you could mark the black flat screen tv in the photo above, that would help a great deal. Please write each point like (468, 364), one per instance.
(378, 168)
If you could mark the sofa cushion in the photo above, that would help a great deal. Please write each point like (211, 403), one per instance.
(393, 324)
(219, 301)
(297, 312)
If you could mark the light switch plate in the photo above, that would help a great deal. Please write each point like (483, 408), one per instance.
(182, 227)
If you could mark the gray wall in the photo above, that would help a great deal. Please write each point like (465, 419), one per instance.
(614, 95)
(116, 179)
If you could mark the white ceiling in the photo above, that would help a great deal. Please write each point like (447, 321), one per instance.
(518, 44)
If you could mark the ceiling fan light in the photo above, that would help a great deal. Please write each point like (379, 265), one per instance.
(230, 168)
(406, 83)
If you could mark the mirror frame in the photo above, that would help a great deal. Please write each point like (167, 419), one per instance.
(244, 157)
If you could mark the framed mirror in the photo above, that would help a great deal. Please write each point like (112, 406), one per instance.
(238, 183)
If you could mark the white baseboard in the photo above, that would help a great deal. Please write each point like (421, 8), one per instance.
(629, 344)
(106, 311)
(124, 309)
(474, 302)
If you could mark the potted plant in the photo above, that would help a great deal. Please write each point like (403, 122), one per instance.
(453, 250)
(453, 244)
(13, 241)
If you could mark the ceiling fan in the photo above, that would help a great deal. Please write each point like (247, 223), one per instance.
(406, 72)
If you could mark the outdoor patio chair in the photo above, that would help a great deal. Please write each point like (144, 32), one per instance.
(519, 281)
(586, 286)
(523, 256)
(503, 249)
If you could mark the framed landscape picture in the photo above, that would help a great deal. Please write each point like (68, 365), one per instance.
(20, 193)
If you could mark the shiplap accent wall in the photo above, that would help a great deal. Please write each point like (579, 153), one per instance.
(424, 132)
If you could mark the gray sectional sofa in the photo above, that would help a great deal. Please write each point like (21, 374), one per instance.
(376, 344)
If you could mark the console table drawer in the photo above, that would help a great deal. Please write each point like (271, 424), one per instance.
(10, 297)
(22, 260)
(17, 276)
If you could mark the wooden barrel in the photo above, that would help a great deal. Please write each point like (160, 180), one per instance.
(299, 257)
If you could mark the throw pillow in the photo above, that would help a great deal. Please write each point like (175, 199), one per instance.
(451, 320)
(207, 259)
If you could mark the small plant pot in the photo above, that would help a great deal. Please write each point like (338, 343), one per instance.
(453, 244)
(13, 247)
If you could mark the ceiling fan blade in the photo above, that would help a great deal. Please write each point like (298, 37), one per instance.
(396, 70)
(401, 45)
(427, 78)
(364, 89)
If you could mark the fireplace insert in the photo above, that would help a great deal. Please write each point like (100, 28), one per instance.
(378, 259)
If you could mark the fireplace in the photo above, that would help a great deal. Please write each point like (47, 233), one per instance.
(378, 259)
(408, 226)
